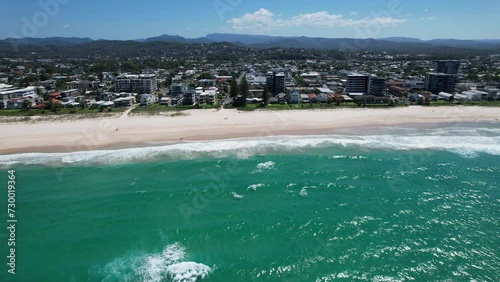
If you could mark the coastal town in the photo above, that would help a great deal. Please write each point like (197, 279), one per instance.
(36, 85)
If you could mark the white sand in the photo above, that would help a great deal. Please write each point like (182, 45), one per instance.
(130, 131)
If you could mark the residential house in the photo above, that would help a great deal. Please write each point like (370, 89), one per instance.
(70, 93)
(294, 97)
(445, 96)
(304, 98)
(165, 101)
(123, 102)
(206, 83)
(476, 95)
(178, 89)
(313, 98)
(148, 99)
(281, 98)
(189, 98)
(322, 97)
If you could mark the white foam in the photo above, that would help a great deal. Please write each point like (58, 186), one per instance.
(303, 192)
(254, 187)
(237, 196)
(174, 253)
(266, 165)
(187, 271)
(465, 142)
(169, 264)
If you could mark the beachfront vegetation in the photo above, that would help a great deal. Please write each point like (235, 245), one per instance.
(160, 109)
(465, 103)
(59, 112)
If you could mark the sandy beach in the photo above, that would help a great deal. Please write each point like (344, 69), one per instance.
(195, 125)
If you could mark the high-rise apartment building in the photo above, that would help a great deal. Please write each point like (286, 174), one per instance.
(444, 78)
(142, 83)
(357, 83)
(447, 66)
(440, 82)
(376, 86)
(275, 82)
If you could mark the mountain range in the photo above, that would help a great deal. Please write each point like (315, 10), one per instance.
(266, 41)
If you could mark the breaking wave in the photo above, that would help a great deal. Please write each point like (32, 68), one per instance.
(169, 265)
(466, 142)
(267, 166)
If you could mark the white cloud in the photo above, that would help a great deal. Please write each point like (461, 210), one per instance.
(353, 14)
(263, 20)
(257, 21)
(324, 19)
(66, 26)
(427, 18)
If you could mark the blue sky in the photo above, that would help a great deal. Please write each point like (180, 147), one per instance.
(127, 19)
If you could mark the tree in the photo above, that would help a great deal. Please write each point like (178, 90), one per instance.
(50, 69)
(44, 76)
(60, 83)
(472, 76)
(234, 91)
(223, 72)
(138, 97)
(265, 96)
(55, 106)
(244, 87)
(168, 81)
(205, 75)
(26, 105)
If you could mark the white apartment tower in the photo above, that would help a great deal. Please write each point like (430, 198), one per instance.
(143, 83)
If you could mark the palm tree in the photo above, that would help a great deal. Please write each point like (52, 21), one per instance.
(233, 91)
(265, 96)
(244, 89)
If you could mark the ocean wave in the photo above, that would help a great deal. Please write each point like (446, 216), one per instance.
(254, 187)
(303, 192)
(236, 196)
(469, 143)
(169, 265)
(267, 165)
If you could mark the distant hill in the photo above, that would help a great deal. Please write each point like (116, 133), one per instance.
(176, 38)
(479, 43)
(345, 43)
(166, 38)
(244, 38)
(402, 39)
(64, 41)
(397, 44)
(465, 43)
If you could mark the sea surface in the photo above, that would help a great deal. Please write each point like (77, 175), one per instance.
(386, 204)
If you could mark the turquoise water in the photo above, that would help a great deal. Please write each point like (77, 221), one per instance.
(399, 205)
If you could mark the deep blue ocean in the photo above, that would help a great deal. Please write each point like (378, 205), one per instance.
(388, 204)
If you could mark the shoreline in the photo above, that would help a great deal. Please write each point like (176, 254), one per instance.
(208, 125)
